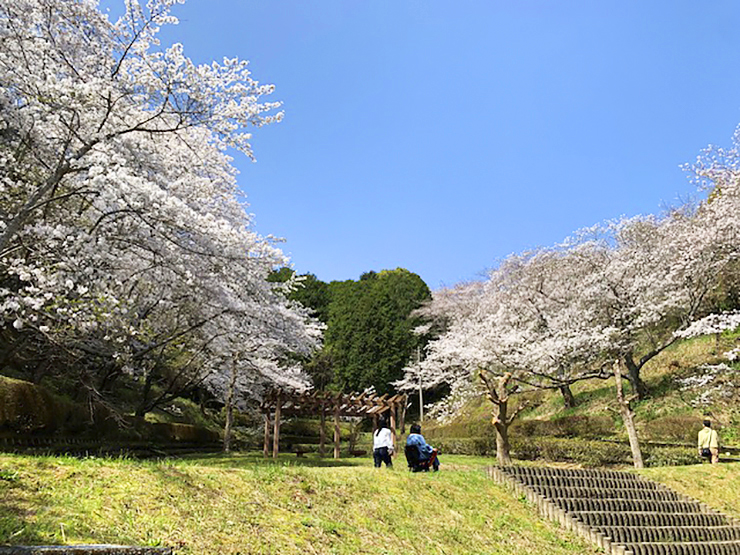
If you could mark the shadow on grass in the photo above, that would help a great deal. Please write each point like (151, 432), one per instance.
(603, 393)
(16, 520)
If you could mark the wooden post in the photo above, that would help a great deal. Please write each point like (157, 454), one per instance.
(402, 408)
(393, 428)
(421, 392)
(375, 422)
(336, 432)
(322, 433)
(276, 432)
(266, 449)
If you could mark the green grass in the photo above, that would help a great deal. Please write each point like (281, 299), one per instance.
(244, 504)
(717, 485)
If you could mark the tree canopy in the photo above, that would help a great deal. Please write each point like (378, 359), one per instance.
(369, 334)
(126, 252)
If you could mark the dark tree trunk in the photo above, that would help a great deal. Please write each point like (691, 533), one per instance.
(144, 405)
(569, 401)
(500, 422)
(229, 409)
(633, 375)
(499, 389)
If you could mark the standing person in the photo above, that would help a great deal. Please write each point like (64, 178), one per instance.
(427, 453)
(383, 444)
(708, 443)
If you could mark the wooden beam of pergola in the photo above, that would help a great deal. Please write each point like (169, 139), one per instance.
(319, 403)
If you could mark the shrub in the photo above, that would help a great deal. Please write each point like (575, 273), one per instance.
(480, 446)
(583, 426)
(670, 456)
(28, 408)
(678, 428)
(585, 452)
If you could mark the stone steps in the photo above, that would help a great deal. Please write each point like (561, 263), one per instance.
(608, 493)
(637, 518)
(624, 513)
(641, 534)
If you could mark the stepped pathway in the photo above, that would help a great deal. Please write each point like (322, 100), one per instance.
(624, 513)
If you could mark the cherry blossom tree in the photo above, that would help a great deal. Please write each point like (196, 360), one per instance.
(124, 242)
(447, 306)
(552, 317)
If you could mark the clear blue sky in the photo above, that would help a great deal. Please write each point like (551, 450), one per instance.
(441, 136)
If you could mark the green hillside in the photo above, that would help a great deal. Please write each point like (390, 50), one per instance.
(682, 393)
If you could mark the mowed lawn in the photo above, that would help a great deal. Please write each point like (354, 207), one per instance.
(244, 504)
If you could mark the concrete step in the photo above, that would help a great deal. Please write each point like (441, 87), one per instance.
(572, 473)
(584, 482)
(623, 512)
(609, 493)
(627, 505)
(641, 534)
(686, 548)
(615, 518)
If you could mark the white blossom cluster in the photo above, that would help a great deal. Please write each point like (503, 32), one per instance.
(733, 355)
(712, 324)
(616, 293)
(123, 236)
(711, 383)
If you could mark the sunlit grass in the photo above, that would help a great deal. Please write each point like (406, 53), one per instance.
(717, 485)
(244, 504)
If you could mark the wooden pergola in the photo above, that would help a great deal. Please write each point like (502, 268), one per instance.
(279, 403)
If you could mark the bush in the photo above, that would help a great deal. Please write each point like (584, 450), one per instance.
(28, 408)
(588, 427)
(480, 446)
(169, 431)
(678, 428)
(585, 452)
(598, 453)
(670, 456)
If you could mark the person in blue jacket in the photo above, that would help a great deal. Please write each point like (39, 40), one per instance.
(426, 451)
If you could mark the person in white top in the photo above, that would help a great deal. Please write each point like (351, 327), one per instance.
(383, 444)
(708, 443)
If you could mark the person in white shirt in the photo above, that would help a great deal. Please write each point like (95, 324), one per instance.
(383, 444)
(708, 443)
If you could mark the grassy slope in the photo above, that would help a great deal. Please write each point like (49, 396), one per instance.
(717, 485)
(242, 504)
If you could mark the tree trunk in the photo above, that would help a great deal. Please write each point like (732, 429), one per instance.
(499, 396)
(569, 401)
(627, 416)
(633, 375)
(266, 444)
(143, 406)
(500, 422)
(229, 408)
(337, 434)
(322, 434)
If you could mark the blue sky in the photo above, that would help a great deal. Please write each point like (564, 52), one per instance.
(442, 136)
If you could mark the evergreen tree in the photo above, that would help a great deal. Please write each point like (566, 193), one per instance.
(369, 334)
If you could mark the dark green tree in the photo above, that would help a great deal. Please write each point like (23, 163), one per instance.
(311, 292)
(369, 334)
